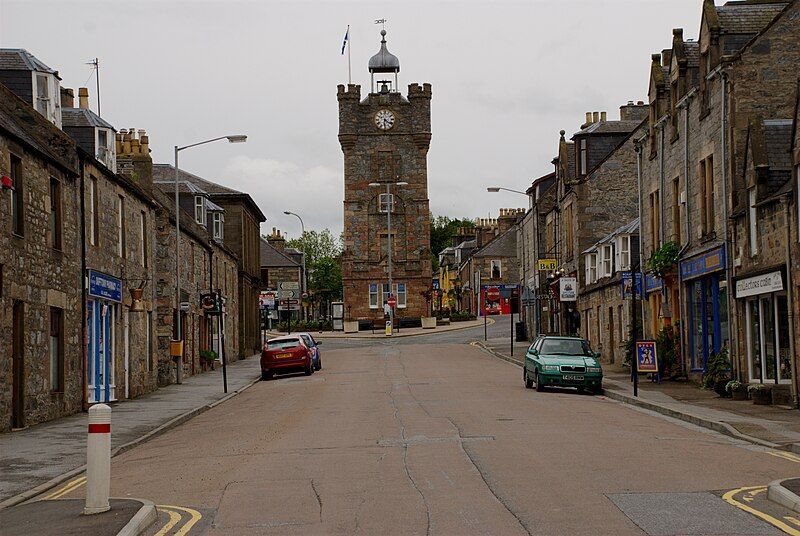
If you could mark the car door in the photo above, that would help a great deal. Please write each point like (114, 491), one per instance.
(530, 359)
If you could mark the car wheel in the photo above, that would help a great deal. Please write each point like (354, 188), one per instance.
(581, 390)
(310, 369)
(528, 381)
(539, 386)
(597, 390)
(266, 376)
(318, 366)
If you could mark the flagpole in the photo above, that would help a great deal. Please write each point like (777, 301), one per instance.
(349, 72)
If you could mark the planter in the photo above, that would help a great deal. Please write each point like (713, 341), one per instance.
(351, 326)
(719, 388)
(739, 394)
(428, 322)
(761, 397)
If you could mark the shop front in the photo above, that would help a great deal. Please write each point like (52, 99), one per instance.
(105, 297)
(765, 306)
(706, 306)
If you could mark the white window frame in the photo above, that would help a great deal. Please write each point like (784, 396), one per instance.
(219, 225)
(591, 268)
(52, 101)
(106, 153)
(385, 293)
(401, 292)
(385, 203)
(200, 203)
(752, 214)
(499, 264)
(606, 260)
(622, 252)
(373, 295)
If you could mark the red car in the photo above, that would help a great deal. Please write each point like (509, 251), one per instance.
(286, 354)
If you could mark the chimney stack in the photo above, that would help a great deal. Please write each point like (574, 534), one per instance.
(276, 240)
(633, 112)
(133, 157)
(83, 97)
(595, 117)
(602, 117)
(588, 118)
(67, 98)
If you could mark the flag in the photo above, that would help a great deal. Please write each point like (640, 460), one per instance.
(346, 39)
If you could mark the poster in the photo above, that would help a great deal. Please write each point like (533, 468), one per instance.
(646, 356)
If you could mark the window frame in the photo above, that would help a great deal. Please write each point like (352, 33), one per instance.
(56, 215)
(623, 252)
(499, 264)
(590, 263)
(218, 225)
(56, 355)
(583, 155)
(385, 206)
(607, 260)
(402, 296)
(200, 203)
(373, 296)
(17, 197)
(121, 227)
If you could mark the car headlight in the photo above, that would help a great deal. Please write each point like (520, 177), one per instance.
(550, 367)
(594, 369)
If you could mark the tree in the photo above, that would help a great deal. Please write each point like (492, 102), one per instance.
(443, 229)
(322, 252)
(317, 245)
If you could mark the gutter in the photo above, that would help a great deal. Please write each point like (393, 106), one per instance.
(82, 214)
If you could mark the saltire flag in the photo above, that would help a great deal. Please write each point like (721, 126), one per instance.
(346, 39)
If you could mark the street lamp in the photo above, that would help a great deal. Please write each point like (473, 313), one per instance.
(389, 208)
(236, 138)
(303, 233)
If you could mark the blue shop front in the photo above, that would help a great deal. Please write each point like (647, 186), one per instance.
(105, 297)
(706, 292)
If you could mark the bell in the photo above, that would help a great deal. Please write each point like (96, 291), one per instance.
(8, 184)
(137, 305)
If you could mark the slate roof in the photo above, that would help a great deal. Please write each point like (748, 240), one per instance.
(692, 51)
(19, 59)
(609, 127)
(184, 187)
(747, 18)
(272, 258)
(21, 121)
(778, 146)
(630, 228)
(504, 245)
(81, 117)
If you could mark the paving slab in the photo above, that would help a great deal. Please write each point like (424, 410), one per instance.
(35, 455)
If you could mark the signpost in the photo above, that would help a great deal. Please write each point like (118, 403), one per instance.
(492, 294)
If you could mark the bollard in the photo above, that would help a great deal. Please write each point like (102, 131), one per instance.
(98, 460)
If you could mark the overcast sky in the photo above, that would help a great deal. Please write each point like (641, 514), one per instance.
(506, 78)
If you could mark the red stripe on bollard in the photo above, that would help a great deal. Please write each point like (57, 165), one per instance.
(100, 428)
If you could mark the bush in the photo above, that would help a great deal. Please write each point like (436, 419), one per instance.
(208, 355)
(717, 369)
(733, 385)
(664, 259)
(668, 350)
(461, 316)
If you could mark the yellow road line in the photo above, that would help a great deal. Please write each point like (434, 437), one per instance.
(729, 498)
(174, 519)
(66, 488)
(792, 520)
(195, 517)
(785, 455)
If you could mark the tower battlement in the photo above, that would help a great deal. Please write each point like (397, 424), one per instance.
(419, 91)
(351, 91)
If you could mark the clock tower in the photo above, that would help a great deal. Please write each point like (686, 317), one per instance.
(385, 138)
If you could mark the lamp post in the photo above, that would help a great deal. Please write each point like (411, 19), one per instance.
(389, 208)
(238, 138)
(303, 234)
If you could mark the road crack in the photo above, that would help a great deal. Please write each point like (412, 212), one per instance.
(319, 499)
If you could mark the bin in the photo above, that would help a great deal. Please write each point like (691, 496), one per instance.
(522, 333)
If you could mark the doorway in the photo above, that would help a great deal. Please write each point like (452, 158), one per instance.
(18, 366)
(100, 352)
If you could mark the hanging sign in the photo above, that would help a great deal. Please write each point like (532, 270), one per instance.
(646, 356)
(105, 286)
(546, 265)
(568, 289)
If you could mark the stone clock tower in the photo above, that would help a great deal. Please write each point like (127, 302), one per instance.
(385, 138)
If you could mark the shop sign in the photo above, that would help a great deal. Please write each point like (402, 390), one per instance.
(646, 356)
(568, 289)
(627, 285)
(266, 300)
(105, 286)
(652, 283)
(761, 284)
(546, 265)
(711, 261)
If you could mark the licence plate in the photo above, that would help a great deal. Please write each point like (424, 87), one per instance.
(279, 356)
(572, 377)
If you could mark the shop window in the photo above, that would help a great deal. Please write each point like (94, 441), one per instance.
(17, 198)
(752, 217)
(754, 339)
(373, 296)
(56, 350)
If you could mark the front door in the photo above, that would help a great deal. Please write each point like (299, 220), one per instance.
(99, 355)
(18, 367)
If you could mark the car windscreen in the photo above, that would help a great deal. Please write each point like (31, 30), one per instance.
(308, 340)
(282, 344)
(565, 347)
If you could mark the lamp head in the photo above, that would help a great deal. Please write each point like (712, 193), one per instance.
(493, 189)
(287, 212)
(238, 138)
(401, 183)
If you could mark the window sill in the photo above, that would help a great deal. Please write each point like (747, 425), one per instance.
(17, 236)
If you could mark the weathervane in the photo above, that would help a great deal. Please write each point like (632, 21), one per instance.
(382, 22)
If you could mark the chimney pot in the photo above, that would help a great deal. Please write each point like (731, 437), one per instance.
(83, 97)
(602, 116)
(588, 118)
(595, 117)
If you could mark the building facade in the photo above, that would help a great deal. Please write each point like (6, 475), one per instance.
(385, 139)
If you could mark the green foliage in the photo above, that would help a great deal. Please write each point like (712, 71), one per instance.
(443, 229)
(311, 325)
(317, 245)
(664, 259)
(462, 315)
(717, 369)
(668, 347)
(322, 251)
(733, 385)
(208, 355)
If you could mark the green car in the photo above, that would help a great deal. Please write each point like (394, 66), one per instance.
(563, 362)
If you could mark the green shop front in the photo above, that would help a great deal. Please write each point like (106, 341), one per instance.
(706, 293)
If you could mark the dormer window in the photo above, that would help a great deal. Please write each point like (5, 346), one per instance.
(583, 156)
(106, 148)
(46, 97)
(591, 268)
(623, 252)
(200, 210)
(219, 225)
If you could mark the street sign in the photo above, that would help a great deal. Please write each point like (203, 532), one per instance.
(492, 293)
(286, 294)
(392, 301)
(289, 305)
(289, 285)
(266, 300)
(546, 265)
(305, 295)
(185, 306)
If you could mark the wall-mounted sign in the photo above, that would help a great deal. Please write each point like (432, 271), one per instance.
(568, 289)
(627, 285)
(711, 261)
(646, 356)
(760, 284)
(105, 286)
(546, 265)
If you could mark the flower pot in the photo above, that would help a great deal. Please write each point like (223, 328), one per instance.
(719, 388)
(428, 322)
(351, 326)
(761, 397)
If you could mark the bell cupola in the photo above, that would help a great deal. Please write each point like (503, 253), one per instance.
(382, 63)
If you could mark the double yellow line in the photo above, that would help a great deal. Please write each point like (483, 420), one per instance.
(67, 488)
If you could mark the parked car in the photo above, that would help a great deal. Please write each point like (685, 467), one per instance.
(314, 346)
(493, 308)
(562, 362)
(286, 354)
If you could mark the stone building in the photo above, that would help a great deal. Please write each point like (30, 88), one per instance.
(41, 373)
(385, 139)
(240, 226)
(703, 96)
(279, 264)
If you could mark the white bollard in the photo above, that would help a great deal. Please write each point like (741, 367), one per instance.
(98, 460)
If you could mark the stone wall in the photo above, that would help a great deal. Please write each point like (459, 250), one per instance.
(605, 318)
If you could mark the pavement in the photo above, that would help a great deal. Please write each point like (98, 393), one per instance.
(404, 332)
(771, 426)
(37, 458)
(63, 517)
(427, 436)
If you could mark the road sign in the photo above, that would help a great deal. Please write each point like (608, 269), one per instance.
(305, 295)
(267, 300)
(185, 306)
(286, 294)
(492, 293)
(392, 301)
(546, 265)
(289, 285)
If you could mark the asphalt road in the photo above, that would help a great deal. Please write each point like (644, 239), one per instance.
(429, 435)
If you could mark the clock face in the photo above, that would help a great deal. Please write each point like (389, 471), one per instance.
(384, 119)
